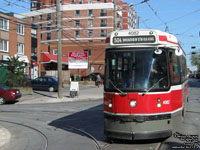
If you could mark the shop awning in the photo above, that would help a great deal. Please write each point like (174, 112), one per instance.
(49, 58)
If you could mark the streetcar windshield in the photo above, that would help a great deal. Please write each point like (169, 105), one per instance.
(136, 69)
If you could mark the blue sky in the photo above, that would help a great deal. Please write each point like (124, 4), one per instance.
(182, 17)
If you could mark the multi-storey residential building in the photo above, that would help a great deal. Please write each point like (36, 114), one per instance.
(85, 25)
(15, 40)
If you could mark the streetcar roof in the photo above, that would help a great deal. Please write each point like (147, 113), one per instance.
(141, 37)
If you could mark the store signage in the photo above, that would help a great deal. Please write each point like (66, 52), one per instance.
(133, 39)
(78, 60)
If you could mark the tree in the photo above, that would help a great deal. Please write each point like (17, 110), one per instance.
(15, 72)
(195, 61)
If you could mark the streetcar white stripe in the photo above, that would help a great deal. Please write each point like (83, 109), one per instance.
(150, 114)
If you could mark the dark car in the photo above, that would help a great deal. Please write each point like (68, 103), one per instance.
(49, 83)
(92, 77)
(27, 80)
(7, 94)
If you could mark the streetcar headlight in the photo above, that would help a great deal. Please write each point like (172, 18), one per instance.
(159, 105)
(110, 103)
(133, 103)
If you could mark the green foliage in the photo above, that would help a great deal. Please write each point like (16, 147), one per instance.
(195, 61)
(15, 72)
(78, 78)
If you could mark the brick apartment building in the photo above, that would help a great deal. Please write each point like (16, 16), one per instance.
(85, 24)
(15, 40)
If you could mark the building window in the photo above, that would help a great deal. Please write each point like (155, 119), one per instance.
(103, 22)
(77, 33)
(103, 12)
(81, 2)
(88, 51)
(20, 48)
(77, 23)
(48, 16)
(40, 26)
(90, 12)
(105, 1)
(33, 19)
(89, 1)
(33, 4)
(48, 36)
(103, 33)
(90, 22)
(90, 33)
(48, 26)
(4, 45)
(73, 1)
(20, 29)
(40, 17)
(55, 52)
(77, 13)
(98, 1)
(4, 24)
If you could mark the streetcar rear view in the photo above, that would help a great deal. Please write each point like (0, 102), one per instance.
(145, 87)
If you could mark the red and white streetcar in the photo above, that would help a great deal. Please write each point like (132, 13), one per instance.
(146, 86)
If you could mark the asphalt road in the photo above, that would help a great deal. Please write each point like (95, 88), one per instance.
(78, 125)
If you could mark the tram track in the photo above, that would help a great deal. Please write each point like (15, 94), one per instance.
(44, 137)
(98, 146)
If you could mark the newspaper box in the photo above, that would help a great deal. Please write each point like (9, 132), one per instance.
(74, 89)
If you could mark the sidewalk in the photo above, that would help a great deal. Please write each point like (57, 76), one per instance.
(85, 93)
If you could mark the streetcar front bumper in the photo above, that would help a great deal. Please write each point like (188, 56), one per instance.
(138, 128)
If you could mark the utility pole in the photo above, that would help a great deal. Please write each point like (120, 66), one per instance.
(114, 15)
(59, 46)
(138, 22)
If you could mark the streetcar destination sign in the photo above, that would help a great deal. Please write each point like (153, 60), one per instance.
(134, 39)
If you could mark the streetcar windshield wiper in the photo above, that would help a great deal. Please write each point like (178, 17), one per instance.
(153, 85)
(121, 92)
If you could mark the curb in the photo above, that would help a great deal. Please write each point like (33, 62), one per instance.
(4, 137)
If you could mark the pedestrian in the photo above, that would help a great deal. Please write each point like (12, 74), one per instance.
(98, 81)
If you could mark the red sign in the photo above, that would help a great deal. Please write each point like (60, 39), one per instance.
(78, 60)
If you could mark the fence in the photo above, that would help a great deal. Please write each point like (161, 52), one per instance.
(3, 75)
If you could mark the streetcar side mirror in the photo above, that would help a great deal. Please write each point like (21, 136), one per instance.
(178, 52)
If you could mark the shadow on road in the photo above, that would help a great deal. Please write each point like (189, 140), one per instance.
(42, 94)
(90, 121)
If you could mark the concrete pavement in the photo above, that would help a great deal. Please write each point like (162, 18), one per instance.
(85, 93)
(4, 137)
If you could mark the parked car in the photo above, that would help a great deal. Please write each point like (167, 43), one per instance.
(198, 75)
(92, 77)
(7, 94)
(27, 80)
(49, 83)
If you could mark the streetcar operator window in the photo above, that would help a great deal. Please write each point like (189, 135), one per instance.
(136, 69)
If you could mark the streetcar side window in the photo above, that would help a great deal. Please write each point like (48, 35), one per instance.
(183, 68)
(174, 68)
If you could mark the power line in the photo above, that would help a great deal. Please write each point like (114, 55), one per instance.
(156, 14)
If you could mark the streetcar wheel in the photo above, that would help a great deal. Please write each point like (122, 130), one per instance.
(51, 89)
(2, 100)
